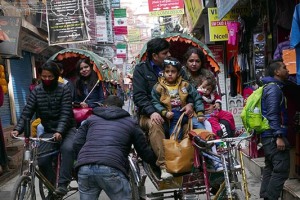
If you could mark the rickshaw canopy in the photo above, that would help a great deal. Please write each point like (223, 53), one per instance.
(69, 57)
(179, 44)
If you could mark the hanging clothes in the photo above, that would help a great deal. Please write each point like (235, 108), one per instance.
(295, 39)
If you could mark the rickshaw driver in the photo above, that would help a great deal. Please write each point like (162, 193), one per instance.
(145, 76)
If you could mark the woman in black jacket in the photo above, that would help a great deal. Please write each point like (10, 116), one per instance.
(52, 102)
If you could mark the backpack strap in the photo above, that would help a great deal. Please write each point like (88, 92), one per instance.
(279, 89)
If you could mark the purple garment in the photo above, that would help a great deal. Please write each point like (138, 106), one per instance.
(280, 47)
(295, 39)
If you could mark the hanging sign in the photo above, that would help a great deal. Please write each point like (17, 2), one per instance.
(194, 9)
(218, 28)
(121, 50)
(120, 22)
(10, 33)
(165, 7)
(66, 22)
(224, 6)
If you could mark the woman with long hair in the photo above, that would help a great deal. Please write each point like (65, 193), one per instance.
(87, 80)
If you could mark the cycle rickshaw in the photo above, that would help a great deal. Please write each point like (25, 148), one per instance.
(224, 185)
(24, 187)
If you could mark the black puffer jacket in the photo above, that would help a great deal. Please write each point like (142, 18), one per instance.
(54, 107)
(106, 139)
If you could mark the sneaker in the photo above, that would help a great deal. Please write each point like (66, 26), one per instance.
(165, 175)
(61, 190)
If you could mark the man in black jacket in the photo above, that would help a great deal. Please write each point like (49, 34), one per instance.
(145, 76)
(52, 102)
(103, 144)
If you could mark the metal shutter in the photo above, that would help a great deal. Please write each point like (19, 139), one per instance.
(21, 72)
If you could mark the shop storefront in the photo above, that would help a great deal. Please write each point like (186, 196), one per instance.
(244, 35)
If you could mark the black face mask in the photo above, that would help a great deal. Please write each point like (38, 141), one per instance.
(49, 83)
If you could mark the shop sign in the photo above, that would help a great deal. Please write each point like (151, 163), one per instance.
(121, 50)
(224, 6)
(134, 35)
(218, 28)
(91, 19)
(194, 9)
(118, 61)
(165, 8)
(101, 30)
(120, 22)
(115, 3)
(105, 51)
(66, 22)
(10, 27)
(32, 44)
(218, 52)
(103, 8)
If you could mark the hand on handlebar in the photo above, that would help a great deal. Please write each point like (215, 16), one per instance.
(14, 134)
(57, 137)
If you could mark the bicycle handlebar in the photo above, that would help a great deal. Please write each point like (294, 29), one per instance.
(203, 144)
(35, 139)
(233, 139)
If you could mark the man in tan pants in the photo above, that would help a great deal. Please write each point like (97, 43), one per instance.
(145, 76)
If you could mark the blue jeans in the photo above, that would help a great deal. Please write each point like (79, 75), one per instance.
(93, 178)
(197, 124)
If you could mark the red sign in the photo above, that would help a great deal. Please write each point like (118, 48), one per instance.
(218, 52)
(157, 5)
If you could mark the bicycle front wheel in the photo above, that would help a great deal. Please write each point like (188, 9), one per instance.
(23, 189)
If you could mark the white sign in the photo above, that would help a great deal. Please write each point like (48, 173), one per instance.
(101, 29)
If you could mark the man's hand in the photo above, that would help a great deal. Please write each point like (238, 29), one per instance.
(169, 115)
(188, 110)
(156, 118)
(57, 137)
(280, 144)
(14, 134)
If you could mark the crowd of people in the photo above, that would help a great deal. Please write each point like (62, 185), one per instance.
(163, 89)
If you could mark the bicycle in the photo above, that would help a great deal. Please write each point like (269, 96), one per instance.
(24, 187)
(231, 187)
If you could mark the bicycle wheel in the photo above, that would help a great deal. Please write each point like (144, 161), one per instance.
(44, 191)
(23, 189)
(134, 187)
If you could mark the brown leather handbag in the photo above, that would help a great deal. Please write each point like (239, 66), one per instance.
(179, 154)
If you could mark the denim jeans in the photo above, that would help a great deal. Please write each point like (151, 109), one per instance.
(174, 121)
(94, 178)
(67, 158)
